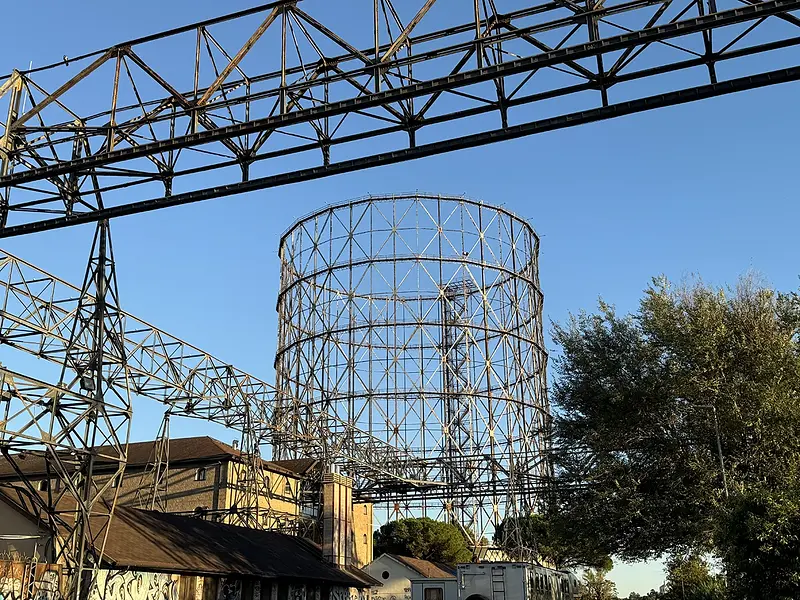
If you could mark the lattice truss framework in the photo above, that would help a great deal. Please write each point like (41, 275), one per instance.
(274, 95)
(418, 319)
(37, 316)
(71, 428)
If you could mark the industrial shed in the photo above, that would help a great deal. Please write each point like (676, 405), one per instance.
(161, 556)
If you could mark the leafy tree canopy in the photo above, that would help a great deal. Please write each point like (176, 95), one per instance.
(553, 539)
(596, 586)
(638, 400)
(423, 538)
(759, 541)
(690, 578)
(646, 404)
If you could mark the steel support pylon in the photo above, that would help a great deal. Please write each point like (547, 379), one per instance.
(72, 429)
(95, 358)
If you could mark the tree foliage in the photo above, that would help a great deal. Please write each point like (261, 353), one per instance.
(638, 400)
(555, 541)
(423, 538)
(596, 586)
(759, 541)
(690, 578)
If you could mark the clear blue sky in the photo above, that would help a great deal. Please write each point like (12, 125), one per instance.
(708, 188)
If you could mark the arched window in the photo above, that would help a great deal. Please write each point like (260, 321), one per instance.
(200, 474)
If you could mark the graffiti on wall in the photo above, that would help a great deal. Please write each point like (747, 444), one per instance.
(28, 581)
(134, 585)
(343, 593)
(297, 592)
(10, 588)
(229, 589)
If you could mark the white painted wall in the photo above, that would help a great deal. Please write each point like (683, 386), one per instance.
(395, 577)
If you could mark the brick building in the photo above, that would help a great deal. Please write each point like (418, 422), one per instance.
(204, 479)
(160, 556)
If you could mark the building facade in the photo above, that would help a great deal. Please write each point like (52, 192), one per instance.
(160, 556)
(396, 574)
(200, 477)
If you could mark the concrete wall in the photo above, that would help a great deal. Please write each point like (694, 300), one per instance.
(136, 585)
(26, 581)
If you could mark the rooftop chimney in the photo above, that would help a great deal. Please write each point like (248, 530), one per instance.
(337, 519)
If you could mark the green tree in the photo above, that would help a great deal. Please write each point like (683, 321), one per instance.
(690, 578)
(554, 539)
(639, 400)
(645, 405)
(759, 541)
(423, 538)
(596, 586)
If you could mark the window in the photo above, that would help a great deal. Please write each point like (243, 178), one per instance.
(434, 593)
(116, 481)
(287, 489)
(385, 575)
(366, 509)
(200, 474)
(365, 539)
(44, 485)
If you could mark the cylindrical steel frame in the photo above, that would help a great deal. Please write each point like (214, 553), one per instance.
(417, 319)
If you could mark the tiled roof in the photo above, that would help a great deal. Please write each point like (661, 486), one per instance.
(176, 544)
(426, 568)
(181, 450)
(301, 466)
(148, 540)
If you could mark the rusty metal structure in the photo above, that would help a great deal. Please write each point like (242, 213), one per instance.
(77, 424)
(273, 95)
(430, 385)
(418, 319)
(108, 359)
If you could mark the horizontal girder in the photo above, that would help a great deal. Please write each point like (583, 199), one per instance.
(330, 104)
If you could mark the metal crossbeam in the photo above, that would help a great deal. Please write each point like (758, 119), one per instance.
(390, 91)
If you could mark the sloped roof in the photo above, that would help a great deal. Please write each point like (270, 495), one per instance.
(300, 466)
(172, 543)
(181, 450)
(426, 568)
(148, 540)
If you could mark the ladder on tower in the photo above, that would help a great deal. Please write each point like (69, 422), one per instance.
(498, 583)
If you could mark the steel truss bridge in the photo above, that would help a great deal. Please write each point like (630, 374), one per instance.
(272, 95)
(275, 95)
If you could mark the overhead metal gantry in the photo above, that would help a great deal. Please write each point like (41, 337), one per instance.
(274, 95)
